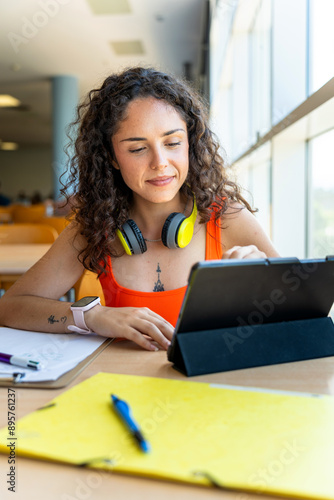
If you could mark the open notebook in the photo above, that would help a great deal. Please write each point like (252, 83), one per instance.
(63, 356)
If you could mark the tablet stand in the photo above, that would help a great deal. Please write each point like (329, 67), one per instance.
(242, 314)
(224, 349)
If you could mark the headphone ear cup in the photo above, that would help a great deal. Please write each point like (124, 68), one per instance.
(185, 233)
(169, 234)
(131, 238)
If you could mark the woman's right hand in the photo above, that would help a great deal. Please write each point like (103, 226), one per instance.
(139, 324)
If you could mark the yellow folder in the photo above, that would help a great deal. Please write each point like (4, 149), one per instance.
(254, 440)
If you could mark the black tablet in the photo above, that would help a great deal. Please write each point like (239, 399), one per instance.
(238, 300)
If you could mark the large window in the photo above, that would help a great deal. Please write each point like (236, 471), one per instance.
(254, 174)
(321, 43)
(289, 56)
(273, 110)
(321, 196)
(260, 72)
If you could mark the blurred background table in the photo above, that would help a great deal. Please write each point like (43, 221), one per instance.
(16, 259)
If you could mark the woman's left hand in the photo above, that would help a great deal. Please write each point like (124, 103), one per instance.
(247, 252)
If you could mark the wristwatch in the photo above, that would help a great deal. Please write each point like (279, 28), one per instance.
(78, 309)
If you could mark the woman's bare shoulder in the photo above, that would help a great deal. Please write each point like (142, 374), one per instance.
(241, 228)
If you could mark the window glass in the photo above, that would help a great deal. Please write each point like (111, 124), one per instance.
(260, 69)
(321, 43)
(289, 53)
(261, 193)
(240, 139)
(321, 206)
(254, 175)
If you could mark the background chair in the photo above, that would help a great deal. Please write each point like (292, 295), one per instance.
(27, 233)
(59, 223)
(32, 213)
(88, 284)
(6, 215)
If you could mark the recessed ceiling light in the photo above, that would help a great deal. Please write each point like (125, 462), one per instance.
(128, 48)
(7, 101)
(109, 7)
(8, 146)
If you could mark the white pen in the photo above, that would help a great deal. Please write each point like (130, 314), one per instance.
(11, 359)
(11, 377)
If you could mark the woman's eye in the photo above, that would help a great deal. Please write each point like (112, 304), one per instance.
(169, 145)
(136, 150)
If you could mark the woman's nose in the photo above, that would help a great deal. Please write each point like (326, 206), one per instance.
(159, 160)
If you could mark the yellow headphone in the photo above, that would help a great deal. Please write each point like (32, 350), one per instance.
(177, 232)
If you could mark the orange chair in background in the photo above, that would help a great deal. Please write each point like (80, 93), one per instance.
(27, 233)
(6, 215)
(28, 214)
(87, 285)
(59, 223)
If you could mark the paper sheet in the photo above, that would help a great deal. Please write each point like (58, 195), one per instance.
(59, 353)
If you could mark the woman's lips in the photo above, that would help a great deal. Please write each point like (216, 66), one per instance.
(160, 181)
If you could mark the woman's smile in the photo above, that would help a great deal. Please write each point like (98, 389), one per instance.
(161, 181)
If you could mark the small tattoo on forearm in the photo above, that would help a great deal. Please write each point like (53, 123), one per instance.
(158, 286)
(52, 319)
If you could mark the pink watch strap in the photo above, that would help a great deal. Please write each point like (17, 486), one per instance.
(79, 320)
(80, 324)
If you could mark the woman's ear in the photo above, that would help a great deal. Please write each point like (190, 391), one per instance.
(115, 164)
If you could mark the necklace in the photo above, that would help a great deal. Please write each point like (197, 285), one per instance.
(159, 239)
(152, 241)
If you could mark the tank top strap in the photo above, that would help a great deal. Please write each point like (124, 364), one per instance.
(214, 246)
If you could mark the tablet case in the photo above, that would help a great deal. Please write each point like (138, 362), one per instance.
(240, 314)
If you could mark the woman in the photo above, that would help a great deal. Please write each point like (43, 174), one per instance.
(144, 152)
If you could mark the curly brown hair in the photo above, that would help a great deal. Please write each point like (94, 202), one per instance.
(102, 200)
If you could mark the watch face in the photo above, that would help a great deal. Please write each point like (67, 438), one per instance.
(84, 301)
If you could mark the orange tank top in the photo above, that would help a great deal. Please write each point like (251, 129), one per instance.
(168, 303)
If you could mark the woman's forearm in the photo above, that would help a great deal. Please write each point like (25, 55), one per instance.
(28, 312)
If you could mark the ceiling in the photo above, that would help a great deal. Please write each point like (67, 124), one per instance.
(88, 39)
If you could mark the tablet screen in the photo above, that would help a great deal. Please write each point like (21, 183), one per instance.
(228, 293)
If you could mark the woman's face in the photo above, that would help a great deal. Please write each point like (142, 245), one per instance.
(151, 148)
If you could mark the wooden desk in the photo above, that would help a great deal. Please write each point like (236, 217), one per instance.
(39, 480)
(15, 260)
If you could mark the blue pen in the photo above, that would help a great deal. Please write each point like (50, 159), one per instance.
(123, 410)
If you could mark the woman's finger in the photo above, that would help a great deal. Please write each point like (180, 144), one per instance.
(132, 323)
(246, 252)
